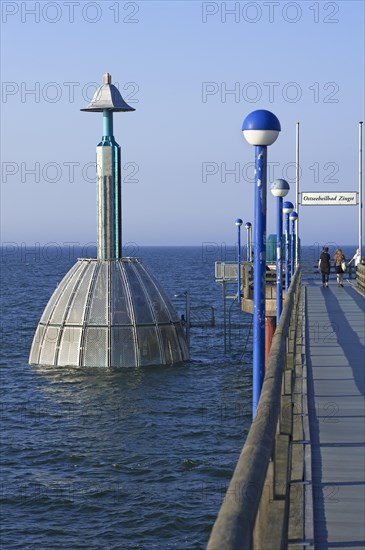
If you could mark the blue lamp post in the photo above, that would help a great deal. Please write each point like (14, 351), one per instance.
(279, 188)
(248, 228)
(288, 208)
(238, 224)
(261, 129)
(293, 218)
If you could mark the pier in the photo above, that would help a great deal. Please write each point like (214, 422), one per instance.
(300, 480)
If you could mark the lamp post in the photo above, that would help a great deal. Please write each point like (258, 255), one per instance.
(293, 218)
(297, 254)
(360, 188)
(279, 188)
(261, 129)
(238, 224)
(287, 209)
(248, 228)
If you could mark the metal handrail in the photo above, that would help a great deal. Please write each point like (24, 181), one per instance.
(233, 529)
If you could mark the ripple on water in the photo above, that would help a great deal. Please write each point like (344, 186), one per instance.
(133, 459)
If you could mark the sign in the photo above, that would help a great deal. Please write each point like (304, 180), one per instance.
(328, 199)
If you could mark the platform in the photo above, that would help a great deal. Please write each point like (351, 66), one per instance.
(335, 338)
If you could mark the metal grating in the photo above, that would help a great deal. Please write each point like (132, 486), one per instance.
(48, 350)
(159, 307)
(120, 311)
(69, 347)
(96, 347)
(123, 347)
(58, 292)
(142, 310)
(148, 347)
(99, 304)
(171, 344)
(58, 314)
(77, 308)
(36, 346)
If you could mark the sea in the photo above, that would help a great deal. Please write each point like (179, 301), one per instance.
(130, 458)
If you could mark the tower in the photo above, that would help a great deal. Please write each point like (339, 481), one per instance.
(108, 311)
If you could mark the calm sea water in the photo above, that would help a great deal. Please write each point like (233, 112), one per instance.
(120, 459)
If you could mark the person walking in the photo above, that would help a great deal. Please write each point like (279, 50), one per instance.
(340, 266)
(324, 266)
(356, 258)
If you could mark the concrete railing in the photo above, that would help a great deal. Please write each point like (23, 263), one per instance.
(360, 278)
(255, 510)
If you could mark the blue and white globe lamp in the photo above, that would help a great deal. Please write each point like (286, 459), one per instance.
(288, 208)
(260, 129)
(279, 189)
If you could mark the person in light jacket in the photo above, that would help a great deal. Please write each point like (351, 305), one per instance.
(339, 261)
(356, 258)
(324, 266)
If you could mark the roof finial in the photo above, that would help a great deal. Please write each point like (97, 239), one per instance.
(107, 78)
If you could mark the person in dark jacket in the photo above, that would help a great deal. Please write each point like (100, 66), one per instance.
(324, 266)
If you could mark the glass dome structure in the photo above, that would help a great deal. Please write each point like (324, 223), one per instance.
(109, 313)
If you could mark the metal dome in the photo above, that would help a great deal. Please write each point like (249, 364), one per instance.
(109, 313)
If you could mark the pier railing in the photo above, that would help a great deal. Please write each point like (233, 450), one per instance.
(227, 271)
(360, 278)
(255, 511)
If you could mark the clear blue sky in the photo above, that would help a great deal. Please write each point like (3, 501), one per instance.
(174, 62)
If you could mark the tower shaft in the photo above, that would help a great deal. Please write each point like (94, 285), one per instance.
(108, 170)
(107, 100)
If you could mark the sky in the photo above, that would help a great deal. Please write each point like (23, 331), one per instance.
(193, 71)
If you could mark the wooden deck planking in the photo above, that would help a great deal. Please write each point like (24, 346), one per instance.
(335, 339)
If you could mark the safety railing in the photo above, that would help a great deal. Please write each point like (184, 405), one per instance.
(227, 271)
(255, 511)
(360, 278)
(310, 269)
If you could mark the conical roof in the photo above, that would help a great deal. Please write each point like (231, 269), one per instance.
(107, 96)
(109, 313)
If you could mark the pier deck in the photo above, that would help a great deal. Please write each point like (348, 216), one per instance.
(335, 338)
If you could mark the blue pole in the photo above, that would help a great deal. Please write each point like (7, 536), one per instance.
(287, 252)
(248, 227)
(279, 232)
(259, 275)
(239, 266)
(107, 123)
(292, 265)
(248, 259)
